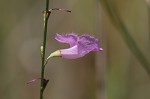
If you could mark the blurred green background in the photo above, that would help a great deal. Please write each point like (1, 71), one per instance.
(115, 73)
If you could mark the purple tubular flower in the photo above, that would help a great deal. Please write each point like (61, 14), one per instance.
(79, 45)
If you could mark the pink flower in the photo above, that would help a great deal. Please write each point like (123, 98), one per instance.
(79, 45)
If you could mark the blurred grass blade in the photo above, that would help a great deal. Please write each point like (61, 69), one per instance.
(108, 5)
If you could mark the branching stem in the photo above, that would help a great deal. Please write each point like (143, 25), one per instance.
(46, 16)
(47, 13)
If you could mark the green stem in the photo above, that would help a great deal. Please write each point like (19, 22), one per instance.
(44, 48)
(149, 24)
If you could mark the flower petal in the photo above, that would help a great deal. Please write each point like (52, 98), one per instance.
(70, 39)
(87, 44)
(79, 45)
(70, 53)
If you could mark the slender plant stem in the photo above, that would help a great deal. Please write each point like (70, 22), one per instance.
(149, 24)
(44, 48)
(47, 14)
